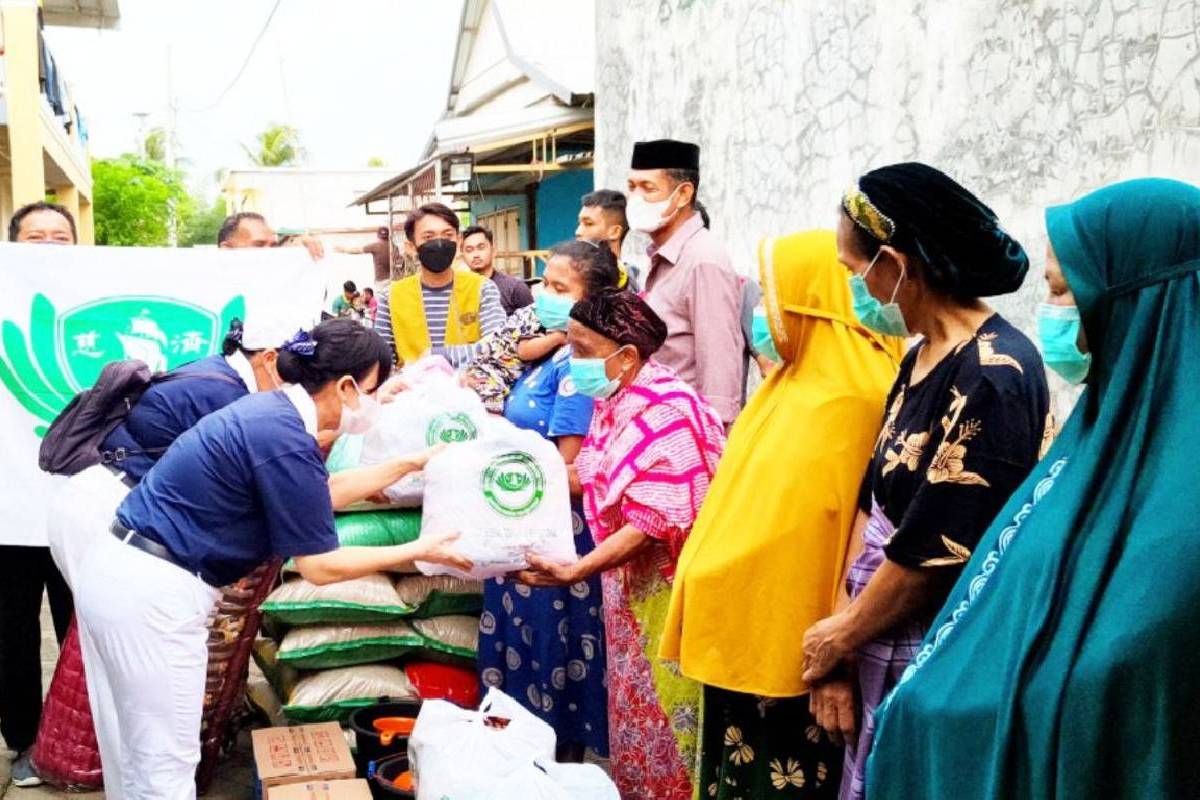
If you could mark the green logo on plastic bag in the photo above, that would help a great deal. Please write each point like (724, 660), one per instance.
(450, 428)
(64, 353)
(514, 484)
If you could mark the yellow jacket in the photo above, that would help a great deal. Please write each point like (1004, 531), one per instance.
(408, 315)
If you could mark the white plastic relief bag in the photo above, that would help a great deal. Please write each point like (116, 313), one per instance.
(433, 412)
(506, 495)
(500, 742)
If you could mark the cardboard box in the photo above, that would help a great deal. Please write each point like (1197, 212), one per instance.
(304, 753)
(321, 790)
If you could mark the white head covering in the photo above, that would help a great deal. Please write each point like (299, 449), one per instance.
(263, 331)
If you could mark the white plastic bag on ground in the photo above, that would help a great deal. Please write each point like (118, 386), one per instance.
(506, 495)
(434, 412)
(582, 781)
(488, 753)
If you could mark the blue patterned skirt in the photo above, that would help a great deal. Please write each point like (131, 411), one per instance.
(545, 647)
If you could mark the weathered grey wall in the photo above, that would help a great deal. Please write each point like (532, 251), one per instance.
(1027, 103)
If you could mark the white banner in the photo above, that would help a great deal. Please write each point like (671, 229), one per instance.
(66, 311)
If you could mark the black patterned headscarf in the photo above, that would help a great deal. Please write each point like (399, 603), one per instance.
(623, 317)
(926, 213)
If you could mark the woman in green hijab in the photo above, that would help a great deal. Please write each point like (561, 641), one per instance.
(1064, 663)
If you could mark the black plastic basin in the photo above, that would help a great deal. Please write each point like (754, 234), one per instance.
(369, 748)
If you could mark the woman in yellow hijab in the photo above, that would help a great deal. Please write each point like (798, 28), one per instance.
(768, 551)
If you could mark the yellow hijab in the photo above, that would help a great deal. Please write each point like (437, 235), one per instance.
(766, 555)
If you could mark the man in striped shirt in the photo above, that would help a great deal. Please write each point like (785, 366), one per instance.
(441, 310)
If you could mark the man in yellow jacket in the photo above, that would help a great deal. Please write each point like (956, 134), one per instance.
(440, 310)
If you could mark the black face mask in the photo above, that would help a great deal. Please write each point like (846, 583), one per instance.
(437, 255)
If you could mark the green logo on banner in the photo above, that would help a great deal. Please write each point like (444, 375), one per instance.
(514, 484)
(450, 428)
(64, 353)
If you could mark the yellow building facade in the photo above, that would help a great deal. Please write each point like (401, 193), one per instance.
(43, 149)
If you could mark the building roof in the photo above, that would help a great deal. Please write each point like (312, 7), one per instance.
(558, 54)
(82, 13)
(521, 72)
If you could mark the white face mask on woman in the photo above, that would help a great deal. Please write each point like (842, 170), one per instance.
(360, 419)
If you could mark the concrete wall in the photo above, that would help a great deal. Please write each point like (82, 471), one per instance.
(1027, 102)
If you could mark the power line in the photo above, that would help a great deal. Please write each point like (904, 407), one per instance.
(245, 63)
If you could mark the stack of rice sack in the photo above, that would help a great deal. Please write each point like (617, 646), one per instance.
(342, 646)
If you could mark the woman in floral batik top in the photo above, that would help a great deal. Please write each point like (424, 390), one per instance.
(964, 425)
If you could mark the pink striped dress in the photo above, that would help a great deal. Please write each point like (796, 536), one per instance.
(647, 461)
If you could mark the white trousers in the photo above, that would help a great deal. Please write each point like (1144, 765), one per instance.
(142, 624)
(83, 508)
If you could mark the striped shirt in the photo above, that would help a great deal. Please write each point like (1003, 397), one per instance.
(437, 309)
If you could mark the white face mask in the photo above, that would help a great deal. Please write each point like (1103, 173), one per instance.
(359, 420)
(648, 217)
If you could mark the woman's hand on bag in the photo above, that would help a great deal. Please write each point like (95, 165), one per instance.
(833, 706)
(547, 573)
(418, 460)
(439, 549)
(825, 648)
(388, 390)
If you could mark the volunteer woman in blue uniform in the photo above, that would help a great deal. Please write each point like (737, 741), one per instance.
(167, 409)
(246, 483)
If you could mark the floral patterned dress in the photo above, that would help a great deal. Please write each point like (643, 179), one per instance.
(953, 447)
(647, 461)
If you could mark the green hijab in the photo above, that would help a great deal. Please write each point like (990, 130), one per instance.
(1064, 664)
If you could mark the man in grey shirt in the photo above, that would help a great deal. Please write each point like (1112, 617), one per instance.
(480, 255)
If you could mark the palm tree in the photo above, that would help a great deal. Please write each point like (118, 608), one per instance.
(278, 146)
(155, 145)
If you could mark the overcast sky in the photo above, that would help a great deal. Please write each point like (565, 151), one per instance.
(358, 78)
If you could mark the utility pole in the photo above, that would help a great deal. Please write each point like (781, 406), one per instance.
(141, 116)
(169, 153)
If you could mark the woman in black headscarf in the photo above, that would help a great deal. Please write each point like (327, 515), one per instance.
(966, 422)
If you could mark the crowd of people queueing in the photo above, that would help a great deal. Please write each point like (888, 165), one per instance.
(896, 578)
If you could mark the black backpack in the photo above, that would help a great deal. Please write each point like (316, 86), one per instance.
(72, 442)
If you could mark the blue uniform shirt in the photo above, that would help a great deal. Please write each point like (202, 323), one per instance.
(545, 399)
(169, 408)
(246, 483)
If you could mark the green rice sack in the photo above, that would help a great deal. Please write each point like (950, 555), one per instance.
(332, 646)
(378, 528)
(454, 639)
(440, 595)
(371, 598)
(334, 695)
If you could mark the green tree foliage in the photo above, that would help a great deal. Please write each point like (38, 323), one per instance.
(376, 161)
(202, 222)
(277, 146)
(155, 146)
(131, 196)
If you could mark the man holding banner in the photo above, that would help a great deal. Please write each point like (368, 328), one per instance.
(26, 568)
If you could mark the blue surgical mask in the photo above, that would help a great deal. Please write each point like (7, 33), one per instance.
(1058, 329)
(879, 317)
(591, 377)
(553, 310)
(763, 343)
